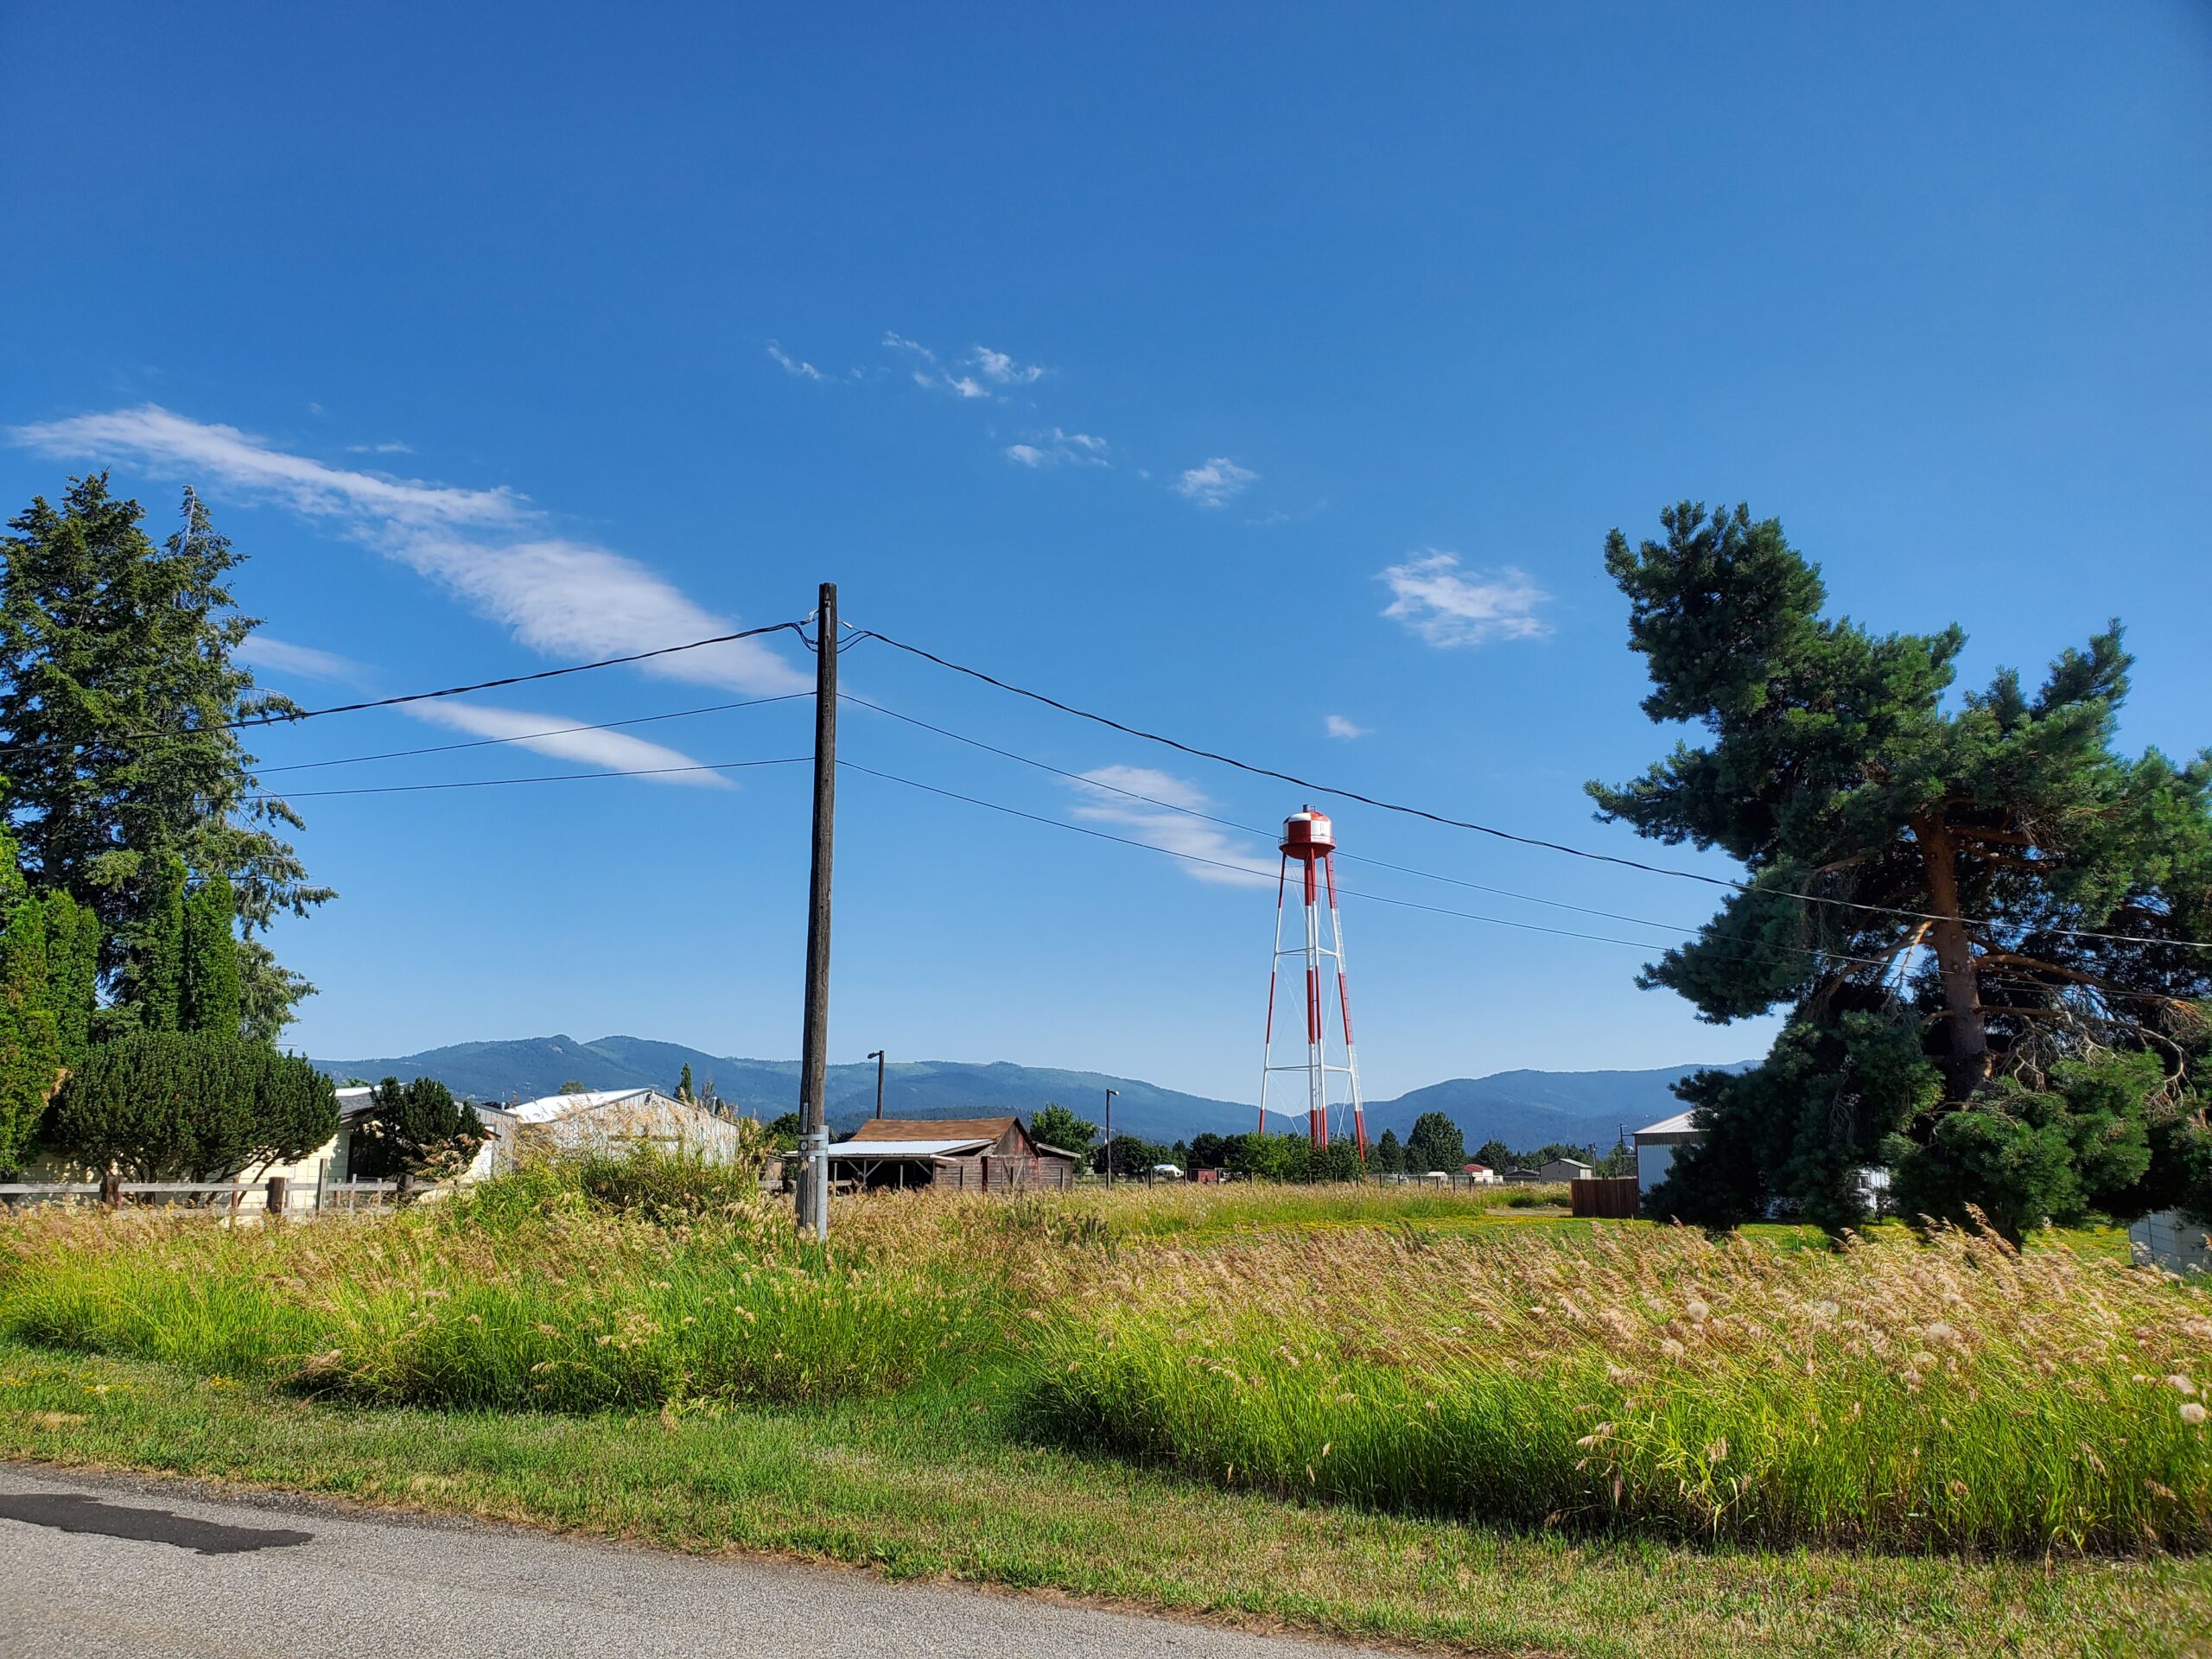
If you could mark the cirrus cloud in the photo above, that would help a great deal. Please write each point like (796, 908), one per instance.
(487, 547)
(1158, 809)
(551, 735)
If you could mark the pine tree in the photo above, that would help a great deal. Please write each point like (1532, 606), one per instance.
(683, 1082)
(1961, 849)
(1389, 1157)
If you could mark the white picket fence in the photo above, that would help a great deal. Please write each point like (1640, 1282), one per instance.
(244, 1199)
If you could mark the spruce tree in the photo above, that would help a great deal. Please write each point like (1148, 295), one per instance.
(1389, 1157)
(209, 992)
(1993, 889)
(154, 983)
(118, 697)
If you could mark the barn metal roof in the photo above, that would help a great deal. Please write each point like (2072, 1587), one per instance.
(906, 1149)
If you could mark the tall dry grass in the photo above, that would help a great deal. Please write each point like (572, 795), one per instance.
(568, 1285)
(1955, 1393)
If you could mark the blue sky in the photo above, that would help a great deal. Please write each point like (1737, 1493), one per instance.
(1269, 375)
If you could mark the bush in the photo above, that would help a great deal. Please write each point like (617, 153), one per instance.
(415, 1126)
(196, 1106)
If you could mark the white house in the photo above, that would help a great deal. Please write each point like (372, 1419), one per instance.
(1481, 1175)
(1654, 1147)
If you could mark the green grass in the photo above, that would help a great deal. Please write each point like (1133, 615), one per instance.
(942, 1481)
(560, 1289)
(1387, 1413)
(1949, 1395)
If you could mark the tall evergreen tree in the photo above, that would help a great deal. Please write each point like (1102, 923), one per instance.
(154, 976)
(1434, 1143)
(1389, 1157)
(118, 695)
(1993, 889)
(209, 997)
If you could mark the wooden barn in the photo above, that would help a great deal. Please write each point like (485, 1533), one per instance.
(971, 1154)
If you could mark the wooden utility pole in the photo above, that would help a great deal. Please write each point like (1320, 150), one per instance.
(814, 1030)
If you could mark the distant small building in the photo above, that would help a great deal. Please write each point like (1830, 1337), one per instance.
(1481, 1175)
(1655, 1147)
(975, 1154)
(612, 1121)
(1522, 1177)
(1563, 1169)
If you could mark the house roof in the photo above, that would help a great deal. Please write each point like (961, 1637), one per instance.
(906, 1149)
(1678, 1124)
(932, 1129)
(549, 1108)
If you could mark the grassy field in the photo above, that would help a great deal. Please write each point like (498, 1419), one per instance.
(937, 1429)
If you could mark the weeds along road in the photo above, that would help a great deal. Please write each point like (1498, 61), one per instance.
(97, 1566)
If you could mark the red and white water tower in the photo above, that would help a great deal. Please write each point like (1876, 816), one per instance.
(1308, 837)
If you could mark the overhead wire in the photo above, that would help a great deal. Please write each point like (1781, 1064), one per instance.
(548, 777)
(1449, 821)
(1249, 871)
(294, 717)
(531, 737)
(1090, 782)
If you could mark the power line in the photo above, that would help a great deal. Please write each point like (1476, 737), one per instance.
(1248, 870)
(548, 778)
(298, 714)
(514, 679)
(1470, 824)
(1252, 830)
(531, 737)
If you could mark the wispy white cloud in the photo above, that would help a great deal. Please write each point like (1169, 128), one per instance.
(1339, 726)
(548, 734)
(1436, 602)
(282, 657)
(1216, 483)
(1106, 796)
(488, 546)
(391, 446)
(794, 365)
(1060, 447)
(1000, 369)
(989, 369)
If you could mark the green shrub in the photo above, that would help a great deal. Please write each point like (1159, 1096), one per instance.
(171, 1105)
(415, 1126)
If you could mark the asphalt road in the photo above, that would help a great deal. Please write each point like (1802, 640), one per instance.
(98, 1566)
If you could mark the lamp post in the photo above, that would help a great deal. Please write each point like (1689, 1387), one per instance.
(877, 1056)
(1111, 1093)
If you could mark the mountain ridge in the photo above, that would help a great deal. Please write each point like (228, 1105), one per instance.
(1523, 1108)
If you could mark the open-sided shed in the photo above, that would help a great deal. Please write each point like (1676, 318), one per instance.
(978, 1154)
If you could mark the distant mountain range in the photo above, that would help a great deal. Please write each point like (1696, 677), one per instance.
(1523, 1108)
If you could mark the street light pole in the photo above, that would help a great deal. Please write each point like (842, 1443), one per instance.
(1111, 1093)
(877, 1056)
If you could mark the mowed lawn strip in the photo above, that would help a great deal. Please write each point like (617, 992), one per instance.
(942, 1483)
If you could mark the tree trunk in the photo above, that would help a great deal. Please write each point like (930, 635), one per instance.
(1966, 1065)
